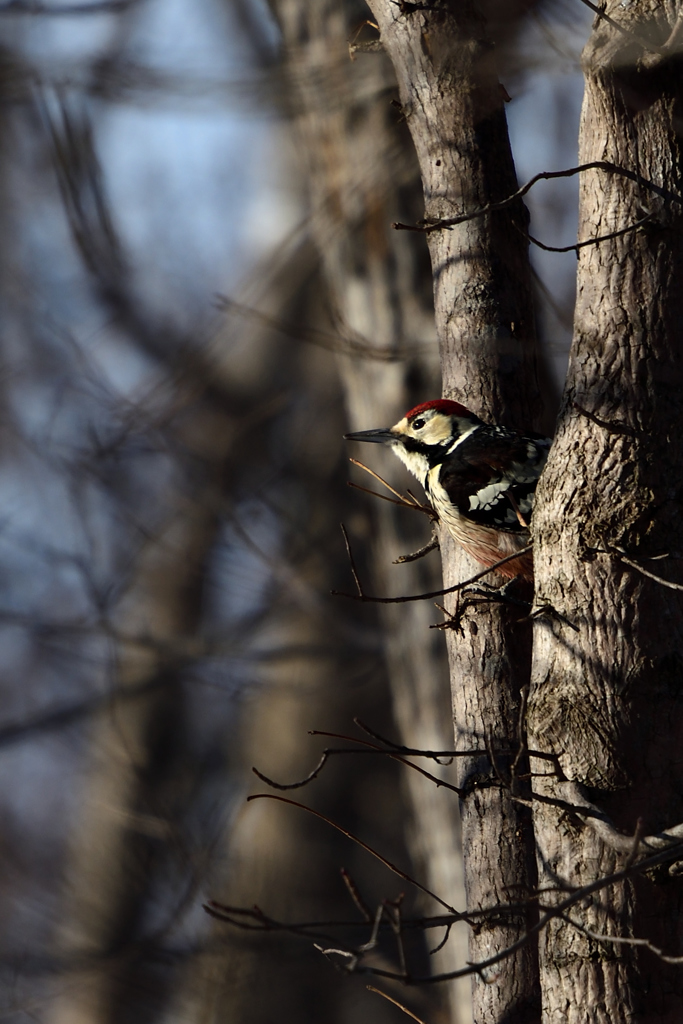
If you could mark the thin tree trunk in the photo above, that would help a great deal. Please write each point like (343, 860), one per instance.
(453, 105)
(104, 881)
(607, 693)
(361, 174)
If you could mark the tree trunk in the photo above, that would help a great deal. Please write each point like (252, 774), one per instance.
(453, 104)
(361, 175)
(606, 693)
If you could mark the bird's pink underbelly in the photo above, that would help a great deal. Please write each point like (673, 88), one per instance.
(487, 545)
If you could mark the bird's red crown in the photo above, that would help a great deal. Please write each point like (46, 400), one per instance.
(443, 405)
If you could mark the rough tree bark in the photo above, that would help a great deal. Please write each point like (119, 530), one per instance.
(607, 697)
(453, 104)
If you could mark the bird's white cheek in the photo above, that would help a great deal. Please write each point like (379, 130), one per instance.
(416, 463)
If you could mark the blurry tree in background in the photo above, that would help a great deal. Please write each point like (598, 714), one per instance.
(200, 291)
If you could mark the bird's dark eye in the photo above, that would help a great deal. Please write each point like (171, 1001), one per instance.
(418, 424)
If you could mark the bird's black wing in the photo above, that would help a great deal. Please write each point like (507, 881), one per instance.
(491, 476)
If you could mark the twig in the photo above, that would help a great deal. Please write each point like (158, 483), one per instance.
(372, 941)
(521, 735)
(472, 599)
(352, 957)
(613, 428)
(431, 545)
(415, 752)
(350, 835)
(645, 572)
(558, 911)
(624, 940)
(327, 340)
(370, 46)
(552, 613)
(326, 754)
(253, 919)
(354, 893)
(400, 499)
(385, 497)
(435, 593)
(351, 560)
(602, 825)
(633, 36)
(427, 226)
(97, 7)
(439, 947)
(261, 922)
(396, 926)
(381, 739)
(494, 760)
(637, 837)
(346, 750)
(371, 988)
(412, 500)
(432, 778)
(588, 241)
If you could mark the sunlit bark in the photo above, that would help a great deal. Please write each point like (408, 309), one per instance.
(606, 694)
(453, 105)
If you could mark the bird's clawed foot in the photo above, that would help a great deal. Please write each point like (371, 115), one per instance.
(510, 594)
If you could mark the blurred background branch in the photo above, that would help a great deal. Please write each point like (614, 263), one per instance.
(173, 479)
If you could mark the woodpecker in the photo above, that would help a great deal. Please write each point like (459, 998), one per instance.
(480, 479)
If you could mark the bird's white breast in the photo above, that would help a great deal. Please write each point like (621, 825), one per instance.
(416, 463)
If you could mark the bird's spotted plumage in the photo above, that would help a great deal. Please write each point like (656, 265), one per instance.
(481, 479)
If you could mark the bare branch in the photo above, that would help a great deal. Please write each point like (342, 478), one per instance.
(588, 241)
(633, 36)
(349, 343)
(310, 777)
(623, 940)
(428, 226)
(253, 919)
(349, 552)
(435, 593)
(431, 545)
(411, 500)
(96, 7)
(385, 497)
(637, 837)
(434, 754)
(350, 835)
(368, 748)
(372, 941)
(354, 893)
(576, 803)
(371, 988)
(613, 428)
(444, 940)
(645, 572)
(366, 46)
(521, 737)
(553, 912)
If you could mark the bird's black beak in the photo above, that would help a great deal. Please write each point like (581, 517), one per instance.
(381, 436)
